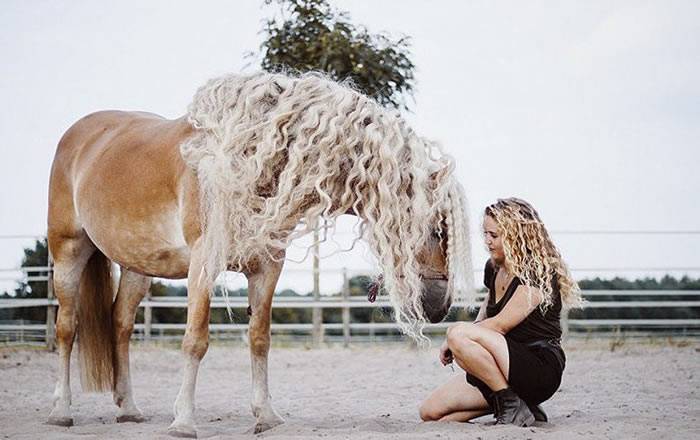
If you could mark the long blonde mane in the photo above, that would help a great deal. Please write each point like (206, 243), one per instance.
(274, 154)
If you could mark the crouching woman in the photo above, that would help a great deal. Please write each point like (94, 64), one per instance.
(512, 353)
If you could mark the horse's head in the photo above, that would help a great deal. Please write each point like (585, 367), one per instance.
(432, 259)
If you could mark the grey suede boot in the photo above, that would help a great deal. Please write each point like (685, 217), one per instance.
(511, 409)
(538, 412)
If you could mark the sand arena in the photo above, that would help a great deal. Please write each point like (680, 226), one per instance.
(630, 390)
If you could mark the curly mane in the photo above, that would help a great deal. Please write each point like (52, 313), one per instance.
(274, 154)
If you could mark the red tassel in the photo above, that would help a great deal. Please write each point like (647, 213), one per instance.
(374, 289)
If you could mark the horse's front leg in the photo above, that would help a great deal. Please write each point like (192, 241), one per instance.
(132, 288)
(194, 344)
(261, 287)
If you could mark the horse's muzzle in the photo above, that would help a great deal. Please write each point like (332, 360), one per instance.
(436, 305)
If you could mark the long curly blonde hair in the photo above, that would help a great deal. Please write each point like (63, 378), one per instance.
(276, 155)
(530, 253)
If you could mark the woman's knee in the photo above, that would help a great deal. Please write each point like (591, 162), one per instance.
(429, 412)
(462, 334)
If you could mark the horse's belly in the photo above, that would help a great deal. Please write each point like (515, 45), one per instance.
(151, 246)
(141, 235)
(135, 223)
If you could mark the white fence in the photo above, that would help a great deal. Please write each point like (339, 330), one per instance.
(347, 331)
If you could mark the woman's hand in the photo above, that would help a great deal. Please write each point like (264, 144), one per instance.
(445, 354)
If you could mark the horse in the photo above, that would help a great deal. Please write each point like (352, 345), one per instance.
(258, 161)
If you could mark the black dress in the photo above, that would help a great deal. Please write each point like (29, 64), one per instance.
(536, 359)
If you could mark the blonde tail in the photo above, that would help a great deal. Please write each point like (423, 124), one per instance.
(95, 330)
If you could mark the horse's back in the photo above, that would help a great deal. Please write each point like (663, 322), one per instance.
(87, 137)
(119, 177)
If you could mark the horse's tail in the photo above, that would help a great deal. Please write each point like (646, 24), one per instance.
(95, 330)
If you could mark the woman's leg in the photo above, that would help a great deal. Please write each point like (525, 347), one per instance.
(481, 352)
(464, 416)
(484, 353)
(455, 401)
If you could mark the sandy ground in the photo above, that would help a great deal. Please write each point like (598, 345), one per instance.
(639, 391)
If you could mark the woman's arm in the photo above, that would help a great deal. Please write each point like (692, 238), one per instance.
(482, 309)
(515, 311)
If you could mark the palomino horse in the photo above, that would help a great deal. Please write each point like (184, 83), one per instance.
(227, 187)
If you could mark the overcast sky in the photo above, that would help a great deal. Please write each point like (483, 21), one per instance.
(589, 109)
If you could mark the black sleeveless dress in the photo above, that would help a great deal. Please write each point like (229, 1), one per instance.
(536, 359)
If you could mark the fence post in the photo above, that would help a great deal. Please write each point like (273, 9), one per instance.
(50, 308)
(346, 310)
(147, 317)
(317, 312)
(565, 324)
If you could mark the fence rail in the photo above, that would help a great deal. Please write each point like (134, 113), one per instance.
(43, 333)
(36, 332)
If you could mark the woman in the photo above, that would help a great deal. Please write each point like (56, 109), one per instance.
(512, 352)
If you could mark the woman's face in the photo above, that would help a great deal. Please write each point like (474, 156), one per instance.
(492, 239)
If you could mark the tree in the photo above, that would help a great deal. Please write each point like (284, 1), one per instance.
(33, 257)
(311, 35)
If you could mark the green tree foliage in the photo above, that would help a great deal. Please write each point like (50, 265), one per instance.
(666, 283)
(38, 256)
(311, 35)
(621, 284)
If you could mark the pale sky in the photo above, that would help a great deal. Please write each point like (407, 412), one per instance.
(590, 110)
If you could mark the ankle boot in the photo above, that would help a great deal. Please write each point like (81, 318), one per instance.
(538, 412)
(511, 409)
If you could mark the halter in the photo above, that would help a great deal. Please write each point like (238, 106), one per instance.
(374, 287)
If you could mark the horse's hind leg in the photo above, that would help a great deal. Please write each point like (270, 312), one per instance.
(70, 255)
(132, 289)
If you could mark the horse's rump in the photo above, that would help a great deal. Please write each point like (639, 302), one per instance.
(119, 176)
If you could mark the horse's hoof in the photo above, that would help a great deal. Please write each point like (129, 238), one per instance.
(135, 418)
(182, 432)
(60, 421)
(264, 426)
